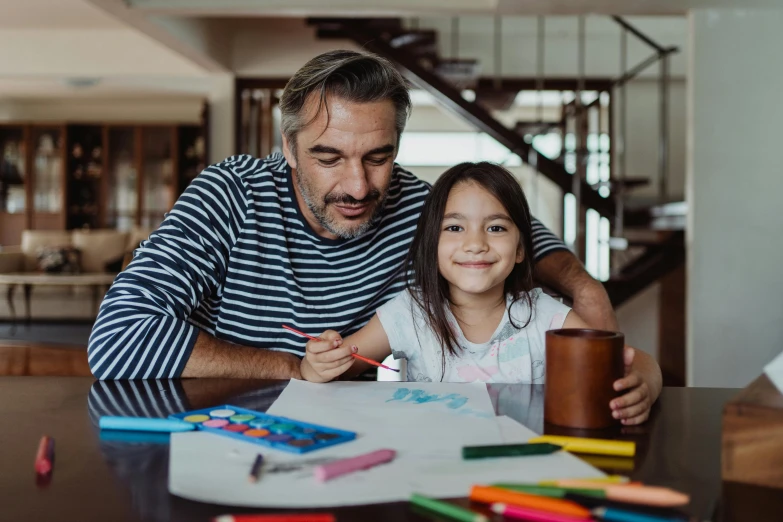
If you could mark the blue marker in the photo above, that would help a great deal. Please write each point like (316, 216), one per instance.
(621, 515)
(144, 424)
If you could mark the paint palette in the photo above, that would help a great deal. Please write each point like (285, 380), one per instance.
(274, 432)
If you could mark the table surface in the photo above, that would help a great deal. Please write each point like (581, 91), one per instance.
(102, 480)
(27, 278)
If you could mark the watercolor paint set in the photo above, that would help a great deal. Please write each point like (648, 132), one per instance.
(274, 432)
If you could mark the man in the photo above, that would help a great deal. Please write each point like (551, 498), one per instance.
(314, 238)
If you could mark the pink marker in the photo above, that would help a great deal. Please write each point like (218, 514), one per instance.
(534, 515)
(342, 467)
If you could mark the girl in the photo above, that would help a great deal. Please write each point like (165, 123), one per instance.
(470, 311)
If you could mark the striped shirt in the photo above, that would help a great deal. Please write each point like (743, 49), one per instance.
(236, 258)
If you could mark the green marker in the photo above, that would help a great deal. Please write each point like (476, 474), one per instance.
(551, 491)
(509, 450)
(447, 510)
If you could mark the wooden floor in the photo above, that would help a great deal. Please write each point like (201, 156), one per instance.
(33, 358)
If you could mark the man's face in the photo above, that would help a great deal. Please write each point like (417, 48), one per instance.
(342, 172)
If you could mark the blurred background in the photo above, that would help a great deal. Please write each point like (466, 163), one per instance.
(646, 135)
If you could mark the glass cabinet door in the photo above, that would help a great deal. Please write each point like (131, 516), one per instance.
(157, 174)
(13, 196)
(12, 170)
(122, 204)
(48, 172)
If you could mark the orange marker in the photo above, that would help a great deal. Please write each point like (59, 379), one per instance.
(355, 355)
(491, 495)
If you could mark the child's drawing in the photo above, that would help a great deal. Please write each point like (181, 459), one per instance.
(453, 401)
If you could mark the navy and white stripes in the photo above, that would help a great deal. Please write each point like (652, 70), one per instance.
(236, 258)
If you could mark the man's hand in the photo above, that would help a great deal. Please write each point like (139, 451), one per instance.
(563, 272)
(327, 358)
(642, 383)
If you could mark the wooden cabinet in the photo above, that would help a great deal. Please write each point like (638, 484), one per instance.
(55, 177)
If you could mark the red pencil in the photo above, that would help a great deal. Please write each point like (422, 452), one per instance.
(365, 359)
(281, 517)
(44, 459)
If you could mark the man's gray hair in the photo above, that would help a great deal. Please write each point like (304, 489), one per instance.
(359, 77)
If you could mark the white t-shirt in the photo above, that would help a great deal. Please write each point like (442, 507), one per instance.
(514, 354)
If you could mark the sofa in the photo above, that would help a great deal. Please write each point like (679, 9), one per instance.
(99, 251)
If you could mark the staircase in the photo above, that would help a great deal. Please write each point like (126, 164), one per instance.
(415, 53)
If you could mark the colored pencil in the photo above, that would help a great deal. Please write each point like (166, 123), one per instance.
(492, 495)
(447, 510)
(281, 517)
(508, 450)
(619, 515)
(551, 491)
(610, 479)
(355, 355)
(533, 515)
(44, 458)
(634, 493)
(619, 448)
(607, 462)
(595, 502)
(255, 469)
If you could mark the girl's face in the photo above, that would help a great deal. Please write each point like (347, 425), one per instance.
(479, 243)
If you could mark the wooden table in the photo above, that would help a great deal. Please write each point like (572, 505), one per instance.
(27, 280)
(104, 480)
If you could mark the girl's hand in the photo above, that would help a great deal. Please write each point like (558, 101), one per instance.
(327, 359)
(634, 406)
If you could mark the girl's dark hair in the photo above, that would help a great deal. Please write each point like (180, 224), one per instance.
(430, 291)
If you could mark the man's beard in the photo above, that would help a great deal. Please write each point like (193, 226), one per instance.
(320, 209)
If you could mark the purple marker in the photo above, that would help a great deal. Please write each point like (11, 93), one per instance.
(331, 470)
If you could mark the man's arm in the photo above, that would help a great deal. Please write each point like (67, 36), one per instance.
(562, 271)
(212, 357)
(557, 268)
(142, 330)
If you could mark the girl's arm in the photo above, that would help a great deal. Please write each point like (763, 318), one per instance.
(642, 381)
(331, 357)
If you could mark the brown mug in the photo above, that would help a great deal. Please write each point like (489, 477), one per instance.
(581, 367)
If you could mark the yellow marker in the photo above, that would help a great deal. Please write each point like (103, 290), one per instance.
(604, 462)
(618, 448)
(609, 479)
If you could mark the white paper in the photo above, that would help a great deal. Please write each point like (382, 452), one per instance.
(428, 437)
(468, 399)
(774, 371)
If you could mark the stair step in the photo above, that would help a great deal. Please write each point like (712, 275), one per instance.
(496, 99)
(460, 71)
(415, 41)
(627, 183)
(535, 127)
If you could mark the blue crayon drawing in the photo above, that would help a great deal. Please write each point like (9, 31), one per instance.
(452, 400)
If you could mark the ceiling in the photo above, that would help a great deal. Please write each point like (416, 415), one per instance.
(54, 14)
(422, 7)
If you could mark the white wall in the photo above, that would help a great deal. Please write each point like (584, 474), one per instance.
(638, 319)
(735, 182)
(561, 57)
(90, 53)
(276, 48)
(642, 138)
(180, 109)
